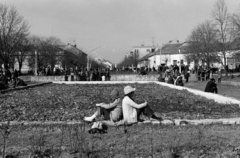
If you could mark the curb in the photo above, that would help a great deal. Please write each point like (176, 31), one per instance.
(176, 122)
(24, 87)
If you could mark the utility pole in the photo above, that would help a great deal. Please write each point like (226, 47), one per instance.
(153, 41)
(36, 63)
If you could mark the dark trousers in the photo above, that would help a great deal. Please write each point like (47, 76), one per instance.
(14, 82)
(147, 111)
(72, 78)
(219, 80)
(104, 112)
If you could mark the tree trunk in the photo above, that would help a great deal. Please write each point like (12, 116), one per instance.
(20, 67)
(225, 66)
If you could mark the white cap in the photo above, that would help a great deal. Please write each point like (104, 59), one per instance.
(129, 89)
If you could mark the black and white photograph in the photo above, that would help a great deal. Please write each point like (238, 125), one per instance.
(119, 79)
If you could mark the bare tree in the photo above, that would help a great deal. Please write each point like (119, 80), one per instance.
(36, 45)
(224, 29)
(22, 51)
(131, 59)
(13, 29)
(51, 50)
(47, 51)
(236, 22)
(203, 44)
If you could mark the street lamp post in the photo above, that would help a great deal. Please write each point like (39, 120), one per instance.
(36, 64)
(88, 66)
(179, 61)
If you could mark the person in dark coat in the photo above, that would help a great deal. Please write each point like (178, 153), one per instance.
(94, 75)
(3, 81)
(108, 76)
(20, 82)
(187, 75)
(15, 77)
(211, 86)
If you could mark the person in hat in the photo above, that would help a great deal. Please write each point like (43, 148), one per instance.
(111, 111)
(132, 110)
(211, 86)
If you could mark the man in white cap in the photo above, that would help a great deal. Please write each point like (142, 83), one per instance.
(132, 110)
(111, 111)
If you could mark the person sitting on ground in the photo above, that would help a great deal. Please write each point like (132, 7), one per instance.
(161, 77)
(179, 81)
(211, 86)
(132, 110)
(3, 82)
(111, 111)
(20, 82)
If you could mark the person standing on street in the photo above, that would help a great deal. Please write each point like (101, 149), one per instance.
(219, 75)
(15, 76)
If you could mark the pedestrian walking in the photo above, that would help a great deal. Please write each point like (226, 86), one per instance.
(219, 75)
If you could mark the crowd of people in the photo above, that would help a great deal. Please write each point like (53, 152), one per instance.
(172, 75)
(48, 71)
(88, 75)
(10, 77)
(77, 73)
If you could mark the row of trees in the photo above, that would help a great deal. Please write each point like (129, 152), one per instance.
(208, 39)
(215, 37)
(18, 45)
(131, 59)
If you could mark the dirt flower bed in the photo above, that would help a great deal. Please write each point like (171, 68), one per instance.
(72, 102)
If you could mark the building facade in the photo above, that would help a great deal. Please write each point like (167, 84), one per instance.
(176, 54)
(169, 54)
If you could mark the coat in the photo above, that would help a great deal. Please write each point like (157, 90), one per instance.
(211, 87)
(129, 109)
(116, 109)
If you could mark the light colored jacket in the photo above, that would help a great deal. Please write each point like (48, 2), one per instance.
(116, 112)
(129, 109)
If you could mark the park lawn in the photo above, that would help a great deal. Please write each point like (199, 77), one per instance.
(143, 140)
(60, 102)
(225, 90)
(72, 102)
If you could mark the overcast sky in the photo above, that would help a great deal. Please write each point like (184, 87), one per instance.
(115, 25)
